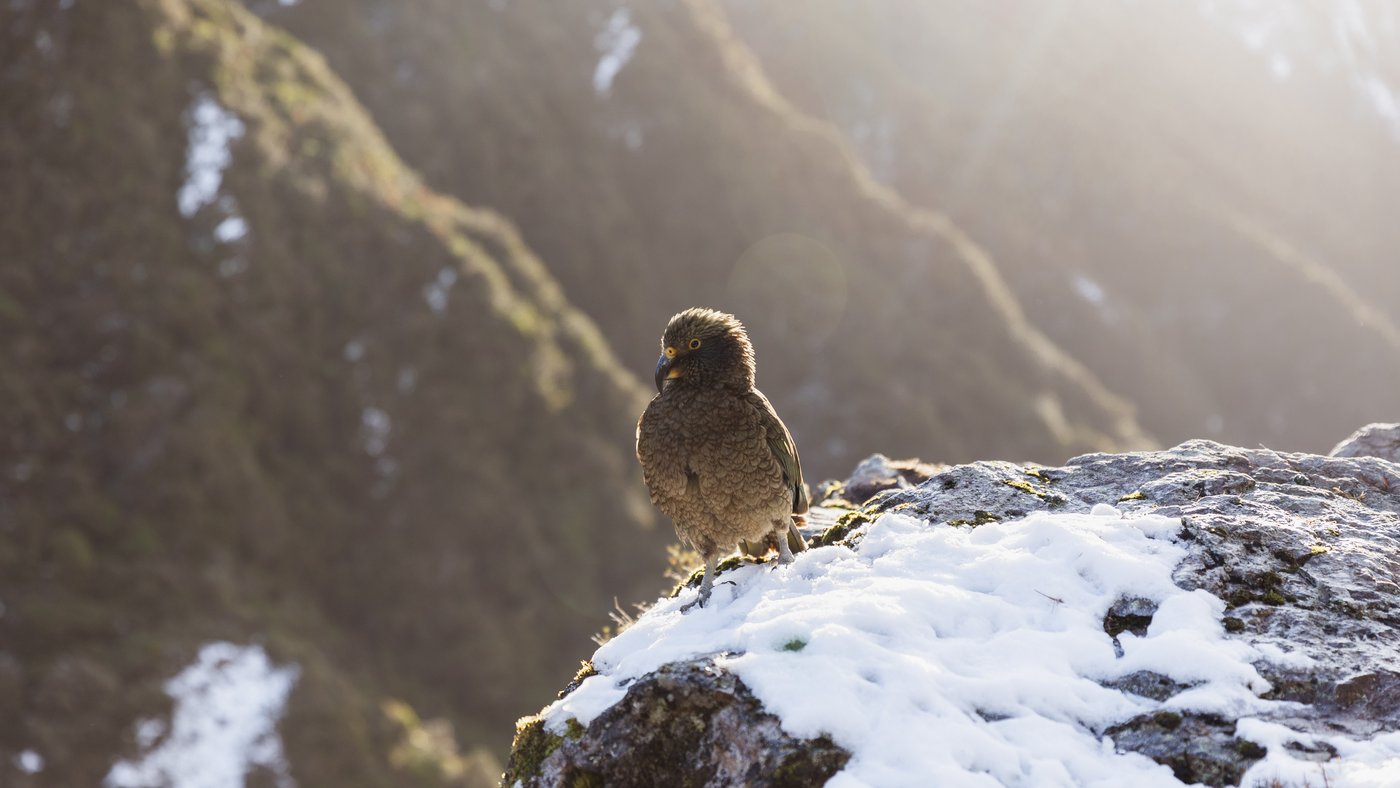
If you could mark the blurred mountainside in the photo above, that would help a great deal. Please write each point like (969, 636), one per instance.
(262, 385)
(324, 326)
(647, 159)
(1197, 198)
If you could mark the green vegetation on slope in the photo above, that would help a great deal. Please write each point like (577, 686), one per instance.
(370, 432)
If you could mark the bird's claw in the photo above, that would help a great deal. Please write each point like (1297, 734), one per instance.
(698, 601)
(704, 596)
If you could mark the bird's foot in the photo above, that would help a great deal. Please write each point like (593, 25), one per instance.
(706, 583)
(784, 552)
(698, 601)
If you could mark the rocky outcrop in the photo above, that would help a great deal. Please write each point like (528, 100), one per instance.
(686, 724)
(1373, 440)
(875, 474)
(1304, 551)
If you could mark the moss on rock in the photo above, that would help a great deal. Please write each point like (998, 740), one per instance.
(531, 746)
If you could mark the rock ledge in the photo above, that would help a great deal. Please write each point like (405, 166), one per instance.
(1303, 549)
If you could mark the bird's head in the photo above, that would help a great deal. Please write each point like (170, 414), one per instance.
(702, 347)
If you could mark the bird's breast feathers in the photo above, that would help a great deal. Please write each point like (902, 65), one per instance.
(710, 448)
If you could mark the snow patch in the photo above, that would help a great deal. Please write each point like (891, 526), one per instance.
(148, 732)
(29, 762)
(1384, 100)
(354, 351)
(211, 129)
(436, 291)
(617, 42)
(1088, 289)
(957, 656)
(375, 427)
(1372, 764)
(231, 229)
(227, 706)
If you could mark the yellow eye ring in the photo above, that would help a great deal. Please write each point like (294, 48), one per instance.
(694, 344)
(670, 352)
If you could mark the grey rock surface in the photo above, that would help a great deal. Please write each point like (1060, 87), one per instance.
(876, 474)
(1198, 748)
(1372, 440)
(687, 724)
(1303, 549)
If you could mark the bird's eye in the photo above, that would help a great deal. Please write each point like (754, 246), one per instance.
(694, 344)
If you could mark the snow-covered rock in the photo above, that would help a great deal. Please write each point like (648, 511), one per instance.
(1203, 614)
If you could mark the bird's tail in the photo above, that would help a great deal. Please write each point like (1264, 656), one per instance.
(795, 541)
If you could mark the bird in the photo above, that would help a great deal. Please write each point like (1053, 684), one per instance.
(714, 454)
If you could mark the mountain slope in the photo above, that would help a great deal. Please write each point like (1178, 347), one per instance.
(1205, 233)
(654, 170)
(262, 384)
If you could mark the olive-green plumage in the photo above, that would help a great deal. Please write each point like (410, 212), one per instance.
(715, 455)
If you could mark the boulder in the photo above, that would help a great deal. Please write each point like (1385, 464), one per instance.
(1372, 440)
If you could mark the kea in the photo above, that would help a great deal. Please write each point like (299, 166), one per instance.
(714, 453)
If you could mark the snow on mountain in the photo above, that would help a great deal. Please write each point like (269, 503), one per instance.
(227, 706)
(211, 130)
(617, 42)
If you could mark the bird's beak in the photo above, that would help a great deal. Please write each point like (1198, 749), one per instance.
(665, 370)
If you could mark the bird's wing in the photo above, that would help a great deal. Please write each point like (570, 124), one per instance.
(784, 450)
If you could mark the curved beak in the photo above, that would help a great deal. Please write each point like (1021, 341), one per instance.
(665, 370)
